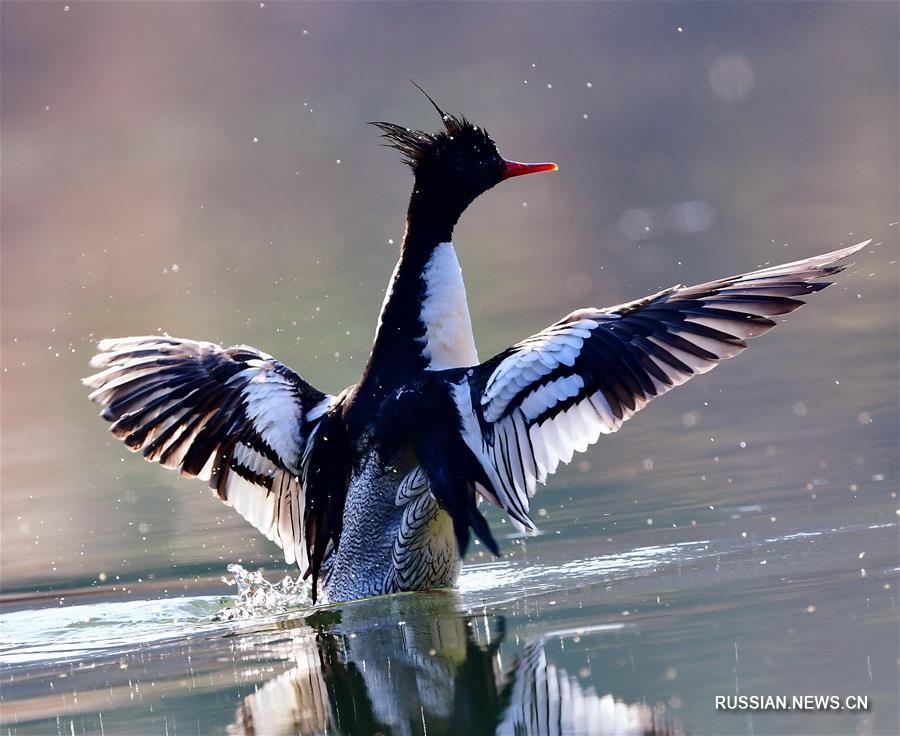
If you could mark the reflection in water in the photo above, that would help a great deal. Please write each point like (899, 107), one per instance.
(436, 672)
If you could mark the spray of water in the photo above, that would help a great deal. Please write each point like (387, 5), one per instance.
(256, 596)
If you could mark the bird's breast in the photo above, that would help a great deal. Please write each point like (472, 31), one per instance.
(448, 341)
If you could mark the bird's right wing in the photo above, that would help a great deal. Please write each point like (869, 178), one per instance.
(235, 417)
(532, 406)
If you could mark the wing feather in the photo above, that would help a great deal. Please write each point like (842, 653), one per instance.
(553, 394)
(234, 417)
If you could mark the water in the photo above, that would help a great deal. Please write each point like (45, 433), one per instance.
(661, 628)
(737, 537)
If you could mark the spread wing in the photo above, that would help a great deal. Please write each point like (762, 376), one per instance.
(534, 405)
(235, 417)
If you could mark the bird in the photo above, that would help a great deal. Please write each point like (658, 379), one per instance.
(376, 488)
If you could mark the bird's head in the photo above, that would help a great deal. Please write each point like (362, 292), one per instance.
(452, 166)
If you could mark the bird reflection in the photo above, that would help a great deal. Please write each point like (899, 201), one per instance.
(412, 664)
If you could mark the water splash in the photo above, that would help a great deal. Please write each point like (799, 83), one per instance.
(256, 596)
(84, 630)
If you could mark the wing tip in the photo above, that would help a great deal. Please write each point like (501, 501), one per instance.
(523, 523)
(831, 263)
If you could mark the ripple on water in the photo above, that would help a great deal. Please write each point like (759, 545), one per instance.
(94, 629)
(67, 632)
(77, 631)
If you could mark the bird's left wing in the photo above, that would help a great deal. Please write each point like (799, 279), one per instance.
(234, 417)
(532, 406)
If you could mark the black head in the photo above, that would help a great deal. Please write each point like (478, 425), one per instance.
(452, 166)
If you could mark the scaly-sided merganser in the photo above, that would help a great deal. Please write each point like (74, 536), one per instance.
(375, 489)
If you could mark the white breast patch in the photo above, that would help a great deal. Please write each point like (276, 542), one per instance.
(448, 341)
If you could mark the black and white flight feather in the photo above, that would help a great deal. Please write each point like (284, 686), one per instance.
(234, 417)
(535, 404)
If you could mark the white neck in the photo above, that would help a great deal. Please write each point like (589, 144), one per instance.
(448, 341)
